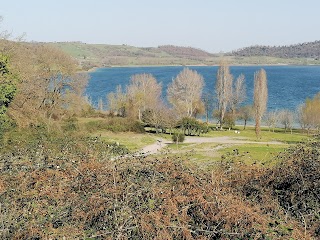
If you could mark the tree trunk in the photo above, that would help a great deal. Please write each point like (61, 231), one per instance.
(257, 127)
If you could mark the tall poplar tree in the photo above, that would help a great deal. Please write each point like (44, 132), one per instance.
(223, 91)
(260, 98)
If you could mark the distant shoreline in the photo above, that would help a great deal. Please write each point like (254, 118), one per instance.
(200, 65)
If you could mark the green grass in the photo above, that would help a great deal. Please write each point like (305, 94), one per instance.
(133, 141)
(200, 154)
(254, 153)
(206, 154)
(266, 135)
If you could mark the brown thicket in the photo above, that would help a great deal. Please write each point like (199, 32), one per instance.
(69, 186)
(49, 86)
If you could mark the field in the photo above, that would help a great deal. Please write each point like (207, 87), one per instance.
(211, 147)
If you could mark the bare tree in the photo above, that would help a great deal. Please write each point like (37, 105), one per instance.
(304, 117)
(100, 105)
(74, 100)
(143, 93)
(239, 92)
(260, 98)
(246, 114)
(170, 119)
(49, 84)
(207, 100)
(156, 117)
(286, 118)
(271, 119)
(117, 102)
(4, 34)
(185, 91)
(309, 113)
(223, 91)
(237, 97)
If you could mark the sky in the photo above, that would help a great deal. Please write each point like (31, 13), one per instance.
(211, 25)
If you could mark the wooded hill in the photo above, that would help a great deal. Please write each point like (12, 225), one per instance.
(302, 50)
(188, 52)
(104, 55)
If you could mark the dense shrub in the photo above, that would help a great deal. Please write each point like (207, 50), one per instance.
(191, 126)
(55, 186)
(70, 124)
(295, 185)
(292, 188)
(178, 137)
(115, 124)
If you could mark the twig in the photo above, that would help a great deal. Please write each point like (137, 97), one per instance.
(305, 224)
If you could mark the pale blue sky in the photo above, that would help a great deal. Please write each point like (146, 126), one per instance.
(212, 25)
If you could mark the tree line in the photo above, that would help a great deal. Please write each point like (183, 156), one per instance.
(303, 50)
(142, 100)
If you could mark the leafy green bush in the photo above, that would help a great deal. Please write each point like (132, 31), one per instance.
(71, 124)
(191, 126)
(178, 137)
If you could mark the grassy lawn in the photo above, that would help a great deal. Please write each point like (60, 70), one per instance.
(133, 141)
(254, 153)
(266, 135)
(200, 154)
(206, 154)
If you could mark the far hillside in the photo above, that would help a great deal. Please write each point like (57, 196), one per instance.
(302, 50)
(188, 52)
(105, 55)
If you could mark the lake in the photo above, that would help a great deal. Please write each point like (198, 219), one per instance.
(288, 86)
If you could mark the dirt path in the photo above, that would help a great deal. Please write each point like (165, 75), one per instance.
(156, 147)
(161, 143)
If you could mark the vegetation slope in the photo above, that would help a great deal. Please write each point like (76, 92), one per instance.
(62, 184)
(104, 55)
(303, 50)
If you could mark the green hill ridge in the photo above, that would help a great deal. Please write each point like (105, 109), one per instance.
(105, 55)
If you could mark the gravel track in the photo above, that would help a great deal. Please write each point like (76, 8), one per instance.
(161, 143)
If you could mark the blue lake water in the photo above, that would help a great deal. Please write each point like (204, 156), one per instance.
(288, 86)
